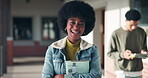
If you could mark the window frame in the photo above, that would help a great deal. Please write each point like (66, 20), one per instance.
(55, 28)
(17, 21)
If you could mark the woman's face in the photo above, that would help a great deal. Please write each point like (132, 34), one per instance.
(75, 28)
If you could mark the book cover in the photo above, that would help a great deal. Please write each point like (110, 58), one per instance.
(77, 66)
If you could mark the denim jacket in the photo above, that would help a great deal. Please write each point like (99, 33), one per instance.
(55, 58)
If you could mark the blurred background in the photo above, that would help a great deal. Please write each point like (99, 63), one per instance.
(28, 27)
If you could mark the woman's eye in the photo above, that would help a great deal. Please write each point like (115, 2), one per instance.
(72, 23)
(81, 24)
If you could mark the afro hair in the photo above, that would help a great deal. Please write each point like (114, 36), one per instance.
(76, 9)
(133, 15)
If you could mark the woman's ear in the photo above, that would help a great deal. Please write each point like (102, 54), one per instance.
(65, 29)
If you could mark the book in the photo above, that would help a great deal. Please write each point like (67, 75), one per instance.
(139, 55)
(77, 66)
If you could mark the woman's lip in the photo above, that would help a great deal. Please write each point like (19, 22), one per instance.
(75, 32)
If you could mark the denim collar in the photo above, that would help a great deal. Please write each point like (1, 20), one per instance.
(60, 44)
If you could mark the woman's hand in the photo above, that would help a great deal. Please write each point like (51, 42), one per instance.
(59, 76)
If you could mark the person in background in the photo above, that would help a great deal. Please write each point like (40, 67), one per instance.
(76, 19)
(124, 42)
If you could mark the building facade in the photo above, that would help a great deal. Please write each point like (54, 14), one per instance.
(27, 27)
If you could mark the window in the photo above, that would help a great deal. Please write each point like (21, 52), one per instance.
(142, 6)
(22, 28)
(50, 29)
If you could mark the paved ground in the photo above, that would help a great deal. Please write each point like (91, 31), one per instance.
(25, 67)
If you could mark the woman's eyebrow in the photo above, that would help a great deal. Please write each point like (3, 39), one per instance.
(71, 19)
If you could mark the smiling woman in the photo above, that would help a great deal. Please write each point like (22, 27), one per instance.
(76, 19)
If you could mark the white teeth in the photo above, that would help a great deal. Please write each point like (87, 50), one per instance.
(76, 32)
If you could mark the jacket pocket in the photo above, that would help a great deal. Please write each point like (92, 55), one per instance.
(58, 65)
(85, 57)
(57, 61)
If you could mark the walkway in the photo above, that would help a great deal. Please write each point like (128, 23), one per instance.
(25, 67)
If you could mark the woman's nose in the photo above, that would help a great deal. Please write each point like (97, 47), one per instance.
(76, 26)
